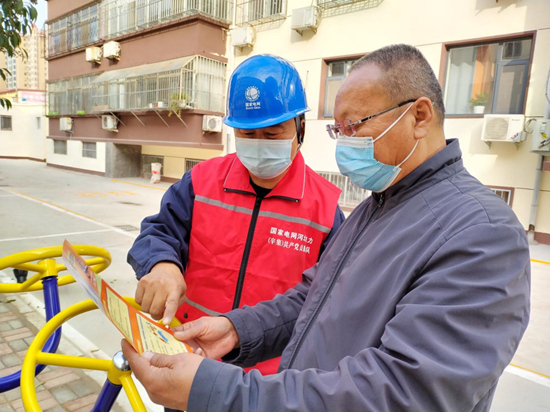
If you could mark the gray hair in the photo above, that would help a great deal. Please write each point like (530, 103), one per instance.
(406, 74)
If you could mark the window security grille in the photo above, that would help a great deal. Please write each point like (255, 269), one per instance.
(351, 195)
(505, 194)
(190, 163)
(256, 12)
(197, 83)
(115, 18)
(70, 96)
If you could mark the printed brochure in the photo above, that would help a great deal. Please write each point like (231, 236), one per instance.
(143, 333)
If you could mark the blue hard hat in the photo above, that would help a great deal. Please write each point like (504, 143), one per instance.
(264, 90)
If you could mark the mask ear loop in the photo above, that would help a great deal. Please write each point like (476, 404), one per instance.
(393, 124)
(409, 155)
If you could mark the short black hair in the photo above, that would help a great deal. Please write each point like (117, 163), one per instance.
(406, 75)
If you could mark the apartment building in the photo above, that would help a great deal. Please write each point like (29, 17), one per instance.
(28, 71)
(490, 53)
(23, 128)
(136, 82)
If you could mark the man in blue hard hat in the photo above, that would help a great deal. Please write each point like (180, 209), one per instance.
(239, 229)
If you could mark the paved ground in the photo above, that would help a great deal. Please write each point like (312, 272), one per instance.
(42, 206)
(57, 389)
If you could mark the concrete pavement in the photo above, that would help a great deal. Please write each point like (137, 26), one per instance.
(42, 206)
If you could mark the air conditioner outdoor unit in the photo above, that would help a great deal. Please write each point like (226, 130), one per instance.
(66, 124)
(93, 54)
(212, 124)
(109, 122)
(111, 50)
(243, 36)
(540, 137)
(305, 18)
(502, 128)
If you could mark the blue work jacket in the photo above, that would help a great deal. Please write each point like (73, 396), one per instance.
(417, 304)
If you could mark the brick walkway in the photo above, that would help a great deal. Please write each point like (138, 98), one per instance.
(58, 389)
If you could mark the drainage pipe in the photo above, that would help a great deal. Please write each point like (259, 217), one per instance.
(538, 172)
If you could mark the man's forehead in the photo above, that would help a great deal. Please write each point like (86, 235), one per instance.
(358, 91)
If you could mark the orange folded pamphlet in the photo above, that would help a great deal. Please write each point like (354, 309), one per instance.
(143, 333)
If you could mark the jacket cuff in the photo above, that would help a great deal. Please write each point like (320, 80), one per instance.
(205, 394)
(157, 259)
(249, 342)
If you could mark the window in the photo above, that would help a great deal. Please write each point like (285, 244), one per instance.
(89, 149)
(260, 11)
(351, 195)
(336, 73)
(487, 78)
(190, 163)
(506, 193)
(5, 122)
(38, 122)
(60, 147)
(70, 96)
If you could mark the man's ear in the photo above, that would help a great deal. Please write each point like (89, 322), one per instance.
(425, 117)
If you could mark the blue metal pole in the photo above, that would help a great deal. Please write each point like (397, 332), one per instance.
(51, 301)
(107, 397)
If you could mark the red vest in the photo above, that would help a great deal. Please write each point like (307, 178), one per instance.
(244, 250)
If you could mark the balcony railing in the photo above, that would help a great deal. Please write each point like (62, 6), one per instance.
(120, 17)
(70, 96)
(351, 195)
(114, 18)
(256, 12)
(192, 82)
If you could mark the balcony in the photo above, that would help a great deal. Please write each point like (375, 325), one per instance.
(173, 86)
(191, 82)
(115, 18)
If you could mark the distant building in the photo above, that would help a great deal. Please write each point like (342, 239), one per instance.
(23, 128)
(137, 82)
(26, 72)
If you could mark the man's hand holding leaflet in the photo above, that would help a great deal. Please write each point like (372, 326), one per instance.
(143, 333)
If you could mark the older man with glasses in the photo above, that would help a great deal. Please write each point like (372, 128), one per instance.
(418, 303)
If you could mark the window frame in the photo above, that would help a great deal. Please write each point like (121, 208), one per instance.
(324, 78)
(88, 152)
(62, 153)
(3, 118)
(191, 163)
(445, 51)
(510, 190)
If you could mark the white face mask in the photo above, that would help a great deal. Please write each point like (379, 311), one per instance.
(265, 158)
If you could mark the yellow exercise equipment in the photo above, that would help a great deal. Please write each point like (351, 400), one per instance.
(42, 262)
(117, 371)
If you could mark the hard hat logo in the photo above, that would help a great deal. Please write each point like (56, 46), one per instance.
(252, 93)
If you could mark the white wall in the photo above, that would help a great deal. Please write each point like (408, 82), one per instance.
(350, 30)
(27, 138)
(74, 159)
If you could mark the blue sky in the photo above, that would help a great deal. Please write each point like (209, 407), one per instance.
(41, 7)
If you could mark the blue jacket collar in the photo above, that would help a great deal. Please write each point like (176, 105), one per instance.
(440, 166)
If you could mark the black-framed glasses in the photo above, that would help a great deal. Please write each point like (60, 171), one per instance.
(347, 127)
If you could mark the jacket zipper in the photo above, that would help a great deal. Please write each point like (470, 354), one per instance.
(335, 277)
(246, 253)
